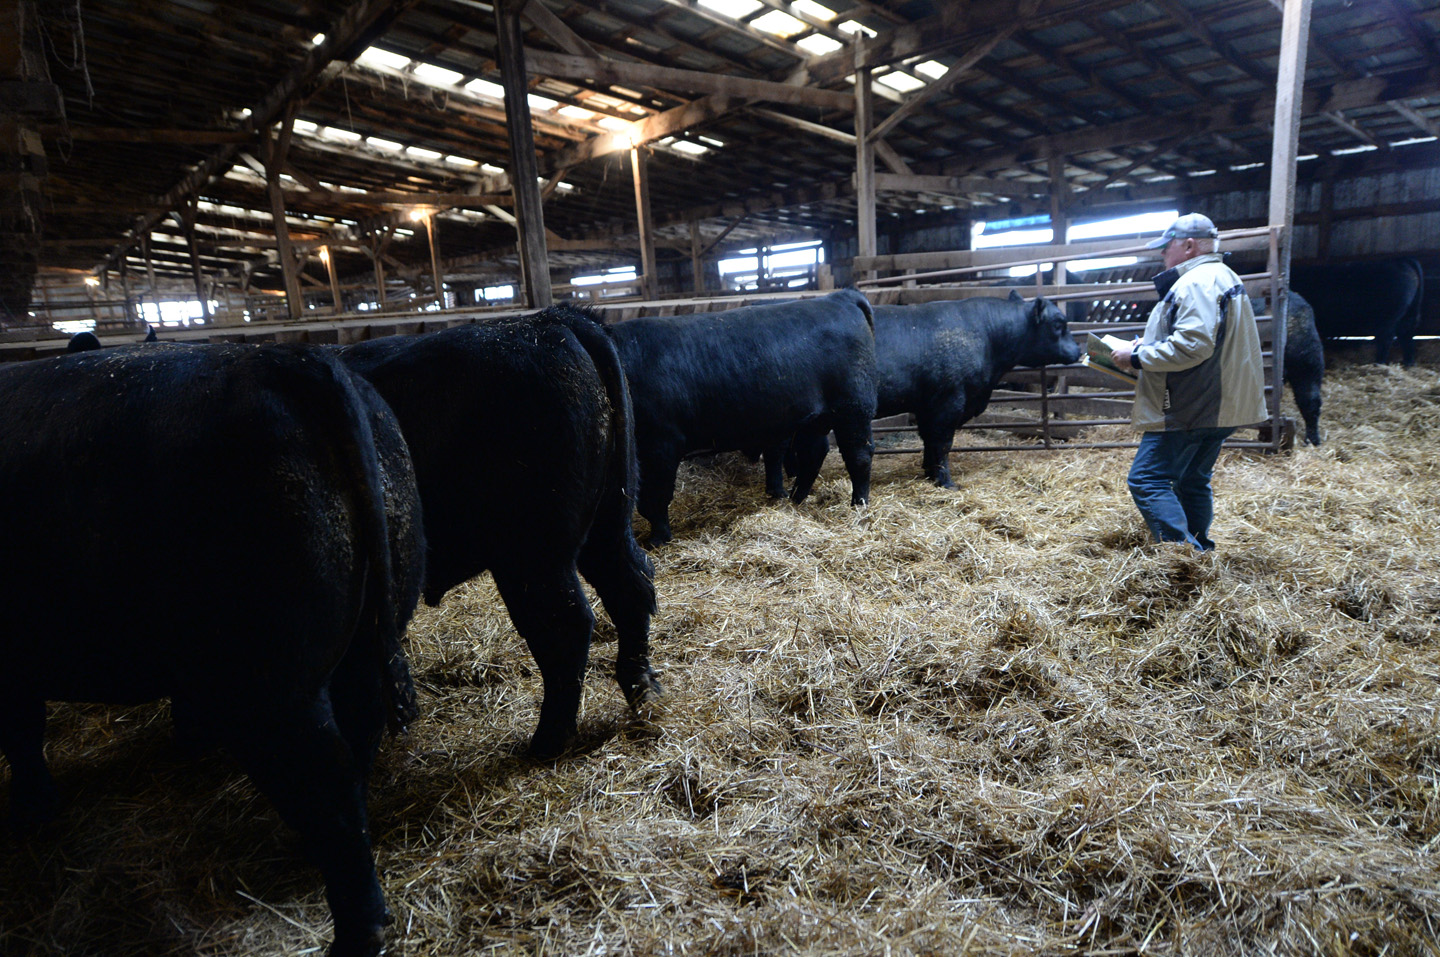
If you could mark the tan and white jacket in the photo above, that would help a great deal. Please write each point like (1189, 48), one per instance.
(1200, 360)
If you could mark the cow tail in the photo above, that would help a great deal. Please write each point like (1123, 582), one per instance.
(622, 483)
(865, 307)
(378, 611)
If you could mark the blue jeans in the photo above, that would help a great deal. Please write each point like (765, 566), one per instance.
(1170, 483)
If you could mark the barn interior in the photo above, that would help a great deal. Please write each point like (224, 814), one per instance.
(992, 721)
(271, 162)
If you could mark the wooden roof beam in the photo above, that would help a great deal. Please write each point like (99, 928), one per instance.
(345, 40)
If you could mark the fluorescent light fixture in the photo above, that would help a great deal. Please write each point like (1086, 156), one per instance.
(1243, 166)
(378, 57)
(486, 88)
(564, 187)
(780, 23)
(817, 44)
(812, 9)
(1413, 140)
(383, 144)
(438, 74)
(733, 8)
(896, 80)
(854, 26)
(1362, 148)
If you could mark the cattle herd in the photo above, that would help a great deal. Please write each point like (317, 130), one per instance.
(298, 501)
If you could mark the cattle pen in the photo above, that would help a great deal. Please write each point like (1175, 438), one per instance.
(988, 722)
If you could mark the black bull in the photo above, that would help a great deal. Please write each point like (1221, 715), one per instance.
(941, 361)
(522, 440)
(751, 378)
(1381, 299)
(286, 585)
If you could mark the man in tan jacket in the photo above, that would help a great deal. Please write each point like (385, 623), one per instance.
(1201, 377)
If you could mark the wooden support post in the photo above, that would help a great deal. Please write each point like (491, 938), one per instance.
(1289, 92)
(648, 285)
(329, 258)
(524, 171)
(864, 155)
(274, 162)
(431, 226)
(697, 263)
(1059, 194)
(187, 214)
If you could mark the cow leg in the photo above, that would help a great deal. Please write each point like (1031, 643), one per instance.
(938, 442)
(775, 470)
(550, 611)
(1382, 348)
(622, 576)
(357, 697)
(33, 797)
(1307, 400)
(298, 758)
(856, 449)
(657, 488)
(810, 451)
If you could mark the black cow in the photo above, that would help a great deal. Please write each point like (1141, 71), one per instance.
(523, 445)
(83, 342)
(278, 626)
(1304, 361)
(751, 378)
(1380, 299)
(941, 361)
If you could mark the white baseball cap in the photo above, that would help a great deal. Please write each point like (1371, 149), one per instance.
(1189, 226)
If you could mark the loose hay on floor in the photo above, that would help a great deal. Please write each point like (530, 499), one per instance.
(990, 721)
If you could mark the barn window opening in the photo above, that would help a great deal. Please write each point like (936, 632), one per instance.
(619, 281)
(1036, 230)
(494, 293)
(787, 266)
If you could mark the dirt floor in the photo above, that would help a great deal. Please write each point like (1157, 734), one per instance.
(989, 721)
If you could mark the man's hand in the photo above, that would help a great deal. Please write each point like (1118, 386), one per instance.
(1122, 354)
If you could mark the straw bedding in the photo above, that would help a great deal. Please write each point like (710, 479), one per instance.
(992, 721)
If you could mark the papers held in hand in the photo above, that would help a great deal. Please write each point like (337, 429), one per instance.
(1099, 355)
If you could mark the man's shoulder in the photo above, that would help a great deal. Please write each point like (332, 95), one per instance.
(1205, 275)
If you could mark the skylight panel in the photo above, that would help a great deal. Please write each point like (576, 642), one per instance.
(384, 144)
(780, 23)
(490, 168)
(378, 57)
(336, 133)
(854, 26)
(685, 146)
(812, 9)
(934, 69)
(486, 88)
(421, 152)
(438, 74)
(577, 112)
(897, 80)
(542, 103)
(733, 8)
(305, 126)
(817, 44)
(462, 161)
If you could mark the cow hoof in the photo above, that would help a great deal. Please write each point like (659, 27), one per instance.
(547, 746)
(365, 943)
(642, 689)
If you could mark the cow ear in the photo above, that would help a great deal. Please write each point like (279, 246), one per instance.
(1037, 310)
(1015, 296)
